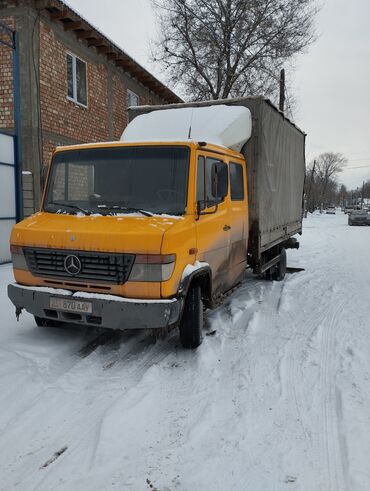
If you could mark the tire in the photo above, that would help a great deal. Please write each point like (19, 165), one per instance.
(279, 270)
(191, 324)
(41, 322)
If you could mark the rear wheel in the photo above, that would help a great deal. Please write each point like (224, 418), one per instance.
(279, 270)
(191, 324)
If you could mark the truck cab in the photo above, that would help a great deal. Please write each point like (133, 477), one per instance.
(126, 229)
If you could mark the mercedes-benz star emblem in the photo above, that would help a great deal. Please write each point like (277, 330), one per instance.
(72, 265)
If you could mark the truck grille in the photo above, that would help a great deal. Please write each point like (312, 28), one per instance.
(94, 266)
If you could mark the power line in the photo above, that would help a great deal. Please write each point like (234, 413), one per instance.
(357, 167)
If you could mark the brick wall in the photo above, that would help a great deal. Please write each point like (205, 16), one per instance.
(119, 106)
(59, 115)
(6, 81)
(14, 3)
(64, 118)
(28, 193)
(79, 184)
(120, 117)
(44, 92)
(48, 148)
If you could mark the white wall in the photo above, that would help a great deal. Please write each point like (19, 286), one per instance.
(7, 194)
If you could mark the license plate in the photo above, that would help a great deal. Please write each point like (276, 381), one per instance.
(70, 305)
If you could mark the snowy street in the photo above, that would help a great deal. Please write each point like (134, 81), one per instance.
(276, 399)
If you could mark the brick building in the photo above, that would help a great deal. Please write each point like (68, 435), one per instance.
(74, 85)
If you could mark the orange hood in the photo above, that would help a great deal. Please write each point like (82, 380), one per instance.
(127, 233)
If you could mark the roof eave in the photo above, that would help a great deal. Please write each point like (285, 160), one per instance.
(59, 11)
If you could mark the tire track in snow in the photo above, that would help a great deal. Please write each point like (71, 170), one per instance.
(87, 419)
(332, 447)
(292, 376)
(126, 370)
(331, 441)
(267, 308)
(291, 373)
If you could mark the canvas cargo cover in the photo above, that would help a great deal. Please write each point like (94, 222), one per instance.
(275, 157)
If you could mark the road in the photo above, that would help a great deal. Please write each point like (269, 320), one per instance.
(277, 398)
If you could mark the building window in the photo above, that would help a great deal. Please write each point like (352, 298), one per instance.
(77, 79)
(132, 99)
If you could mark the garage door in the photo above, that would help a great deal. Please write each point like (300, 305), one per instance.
(7, 194)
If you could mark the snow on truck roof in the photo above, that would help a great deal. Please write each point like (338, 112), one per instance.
(227, 126)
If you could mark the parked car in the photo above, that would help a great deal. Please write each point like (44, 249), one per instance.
(330, 210)
(349, 209)
(359, 217)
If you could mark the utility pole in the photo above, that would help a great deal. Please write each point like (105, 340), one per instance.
(282, 91)
(362, 196)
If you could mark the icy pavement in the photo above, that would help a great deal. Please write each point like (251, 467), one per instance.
(277, 399)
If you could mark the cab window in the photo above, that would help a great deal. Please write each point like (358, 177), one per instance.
(236, 181)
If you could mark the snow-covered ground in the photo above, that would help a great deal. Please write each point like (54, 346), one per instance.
(277, 399)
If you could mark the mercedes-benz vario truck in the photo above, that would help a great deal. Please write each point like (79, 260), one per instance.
(147, 232)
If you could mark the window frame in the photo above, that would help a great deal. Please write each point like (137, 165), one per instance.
(129, 93)
(243, 174)
(201, 158)
(74, 80)
(48, 197)
(217, 158)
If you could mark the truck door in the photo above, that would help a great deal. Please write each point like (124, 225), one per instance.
(239, 222)
(213, 223)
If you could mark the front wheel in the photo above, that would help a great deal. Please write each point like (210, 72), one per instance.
(191, 324)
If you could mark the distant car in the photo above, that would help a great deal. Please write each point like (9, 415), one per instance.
(351, 208)
(359, 217)
(330, 210)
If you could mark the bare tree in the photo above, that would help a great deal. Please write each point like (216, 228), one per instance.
(321, 180)
(218, 49)
(329, 165)
(342, 194)
(367, 189)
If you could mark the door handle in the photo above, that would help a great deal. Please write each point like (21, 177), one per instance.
(226, 228)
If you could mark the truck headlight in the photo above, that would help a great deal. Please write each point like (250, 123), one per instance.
(18, 258)
(152, 267)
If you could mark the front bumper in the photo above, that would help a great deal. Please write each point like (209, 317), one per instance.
(107, 310)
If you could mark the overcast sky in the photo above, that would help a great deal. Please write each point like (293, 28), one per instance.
(331, 83)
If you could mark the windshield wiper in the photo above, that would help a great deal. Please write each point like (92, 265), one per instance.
(129, 209)
(70, 205)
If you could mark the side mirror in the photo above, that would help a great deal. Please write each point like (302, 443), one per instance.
(203, 204)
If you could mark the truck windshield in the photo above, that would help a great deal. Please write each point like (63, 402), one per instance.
(119, 180)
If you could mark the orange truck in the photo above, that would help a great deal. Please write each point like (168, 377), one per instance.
(148, 232)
